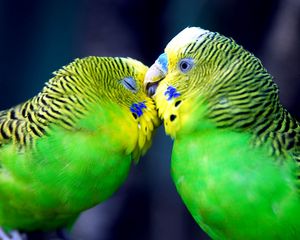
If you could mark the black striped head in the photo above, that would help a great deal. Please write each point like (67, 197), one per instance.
(199, 64)
(105, 80)
(79, 91)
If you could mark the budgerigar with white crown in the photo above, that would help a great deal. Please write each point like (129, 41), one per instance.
(236, 153)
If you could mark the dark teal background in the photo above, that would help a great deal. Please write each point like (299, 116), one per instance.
(38, 37)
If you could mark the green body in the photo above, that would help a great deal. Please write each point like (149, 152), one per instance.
(67, 173)
(71, 146)
(233, 190)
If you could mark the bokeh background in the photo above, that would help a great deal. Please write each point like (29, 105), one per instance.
(38, 37)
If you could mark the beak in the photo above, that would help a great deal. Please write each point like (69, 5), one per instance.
(155, 74)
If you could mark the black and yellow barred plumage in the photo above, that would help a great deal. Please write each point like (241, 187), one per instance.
(254, 104)
(65, 99)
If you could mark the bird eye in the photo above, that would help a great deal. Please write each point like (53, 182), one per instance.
(129, 83)
(186, 64)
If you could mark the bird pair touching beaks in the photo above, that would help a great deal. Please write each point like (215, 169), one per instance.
(236, 154)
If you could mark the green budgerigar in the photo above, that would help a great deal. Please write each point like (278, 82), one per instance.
(71, 146)
(236, 154)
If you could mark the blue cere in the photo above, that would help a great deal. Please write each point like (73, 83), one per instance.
(163, 61)
(171, 92)
(137, 108)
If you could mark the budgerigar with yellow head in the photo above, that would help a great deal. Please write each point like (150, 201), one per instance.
(236, 154)
(71, 146)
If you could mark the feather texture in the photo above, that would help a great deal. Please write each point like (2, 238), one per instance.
(235, 159)
(71, 146)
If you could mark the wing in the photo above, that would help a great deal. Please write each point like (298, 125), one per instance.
(290, 141)
(14, 127)
(31, 120)
(287, 139)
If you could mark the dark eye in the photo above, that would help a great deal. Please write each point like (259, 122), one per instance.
(129, 83)
(186, 64)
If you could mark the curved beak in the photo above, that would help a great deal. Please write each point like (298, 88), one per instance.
(155, 74)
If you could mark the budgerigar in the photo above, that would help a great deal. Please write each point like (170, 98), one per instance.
(71, 146)
(236, 154)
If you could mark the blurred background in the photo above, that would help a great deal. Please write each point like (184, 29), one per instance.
(38, 37)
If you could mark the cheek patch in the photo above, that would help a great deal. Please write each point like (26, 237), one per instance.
(137, 109)
(171, 93)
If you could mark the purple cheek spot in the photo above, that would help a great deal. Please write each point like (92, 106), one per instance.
(137, 108)
(171, 92)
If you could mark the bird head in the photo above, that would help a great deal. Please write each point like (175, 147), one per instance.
(209, 73)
